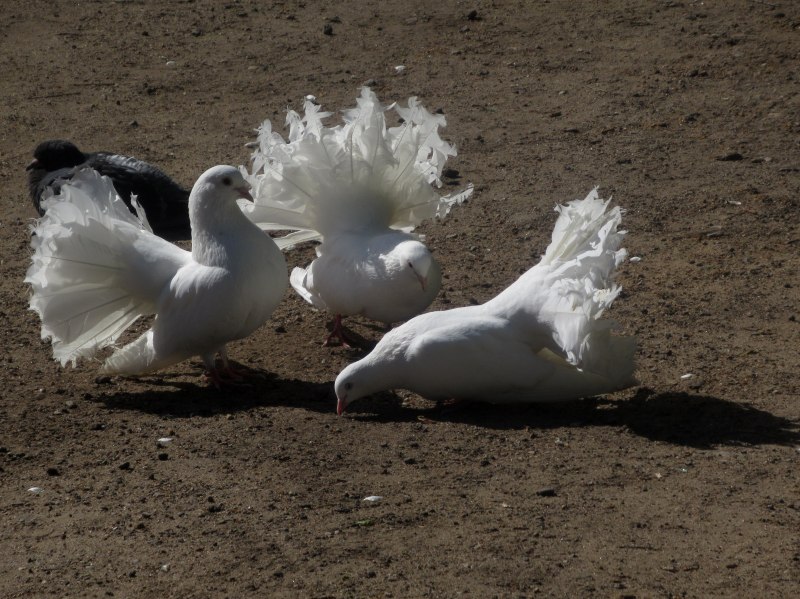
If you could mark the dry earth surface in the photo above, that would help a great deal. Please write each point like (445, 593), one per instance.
(687, 112)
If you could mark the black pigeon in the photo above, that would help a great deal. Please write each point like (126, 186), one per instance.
(165, 202)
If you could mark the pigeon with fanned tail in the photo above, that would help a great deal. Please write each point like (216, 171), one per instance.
(539, 340)
(97, 268)
(360, 188)
(166, 202)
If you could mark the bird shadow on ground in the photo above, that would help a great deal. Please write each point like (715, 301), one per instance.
(699, 421)
(166, 394)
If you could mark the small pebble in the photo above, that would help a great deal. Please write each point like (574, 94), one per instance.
(36, 490)
(372, 498)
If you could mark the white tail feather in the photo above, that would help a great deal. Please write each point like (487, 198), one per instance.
(297, 279)
(572, 286)
(354, 176)
(89, 280)
(138, 357)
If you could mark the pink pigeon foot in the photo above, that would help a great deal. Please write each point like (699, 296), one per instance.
(339, 335)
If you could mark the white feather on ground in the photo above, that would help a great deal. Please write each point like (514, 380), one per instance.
(361, 188)
(541, 339)
(97, 268)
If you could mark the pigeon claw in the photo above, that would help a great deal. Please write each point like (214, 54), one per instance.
(338, 335)
(213, 378)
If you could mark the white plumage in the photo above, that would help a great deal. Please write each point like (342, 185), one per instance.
(541, 339)
(97, 268)
(359, 187)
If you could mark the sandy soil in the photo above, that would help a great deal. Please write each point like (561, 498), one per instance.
(687, 112)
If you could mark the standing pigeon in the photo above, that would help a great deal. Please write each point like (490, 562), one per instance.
(360, 188)
(539, 340)
(97, 268)
(164, 201)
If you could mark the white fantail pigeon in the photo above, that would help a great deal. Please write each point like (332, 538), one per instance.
(360, 188)
(541, 339)
(97, 268)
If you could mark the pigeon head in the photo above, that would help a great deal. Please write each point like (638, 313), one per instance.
(56, 154)
(414, 256)
(214, 212)
(222, 183)
(349, 386)
(383, 368)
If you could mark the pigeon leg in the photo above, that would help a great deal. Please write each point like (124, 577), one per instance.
(213, 378)
(231, 373)
(211, 374)
(339, 333)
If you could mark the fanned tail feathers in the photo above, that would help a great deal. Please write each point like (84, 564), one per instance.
(356, 175)
(80, 276)
(572, 286)
(583, 256)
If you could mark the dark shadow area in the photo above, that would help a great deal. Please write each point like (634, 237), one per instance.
(703, 421)
(699, 421)
(164, 395)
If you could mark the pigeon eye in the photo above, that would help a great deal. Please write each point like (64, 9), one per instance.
(226, 181)
(348, 386)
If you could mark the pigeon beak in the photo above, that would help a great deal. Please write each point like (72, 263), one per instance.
(423, 281)
(341, 405)
(245, 193)
(32, 164)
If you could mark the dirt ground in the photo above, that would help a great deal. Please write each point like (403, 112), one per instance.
(687, 112)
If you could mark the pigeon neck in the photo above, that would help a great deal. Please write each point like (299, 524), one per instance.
(382, 373)
(216, 227)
